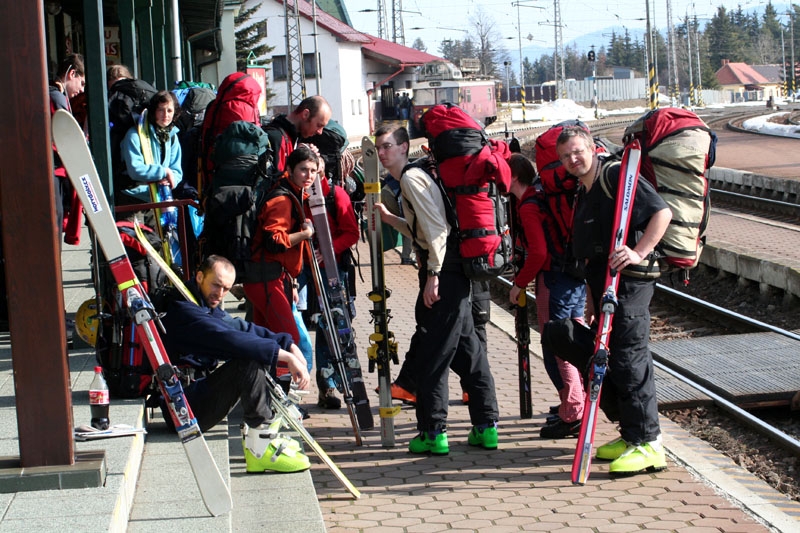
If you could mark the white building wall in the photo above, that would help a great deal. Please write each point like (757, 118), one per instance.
(341, 67)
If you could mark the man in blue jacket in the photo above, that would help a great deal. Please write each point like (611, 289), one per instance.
(203, 335)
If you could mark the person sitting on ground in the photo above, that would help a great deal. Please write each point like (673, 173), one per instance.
(630, 362)
(201, 335)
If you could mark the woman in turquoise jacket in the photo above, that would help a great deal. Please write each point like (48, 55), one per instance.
(151, 150)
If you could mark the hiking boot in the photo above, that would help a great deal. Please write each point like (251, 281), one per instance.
(485, 438)
(399, 393)
(264, 450)
(422, 443)
(612, 450)
(649, 456)
(328, 399)
(560, 429)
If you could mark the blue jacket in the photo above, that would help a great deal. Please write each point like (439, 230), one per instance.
(201, 335)
(138, 171)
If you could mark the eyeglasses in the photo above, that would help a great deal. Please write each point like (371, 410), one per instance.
(569, 155)
(385, 146)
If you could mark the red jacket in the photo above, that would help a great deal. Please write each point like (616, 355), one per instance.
(532, 240)
(278, 218)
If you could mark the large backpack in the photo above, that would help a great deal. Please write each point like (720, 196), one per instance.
(557, 198)
(238, 190)
(125, 364)
(127, 98)
(331, 143)
(476, 178)
(677, 149)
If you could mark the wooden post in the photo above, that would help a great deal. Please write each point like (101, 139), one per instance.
(31, 244)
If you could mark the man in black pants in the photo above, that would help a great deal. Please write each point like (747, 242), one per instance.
(201, 335)
(631, 370)
(445, 336)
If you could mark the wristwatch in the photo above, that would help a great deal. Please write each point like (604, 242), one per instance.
(433, 274)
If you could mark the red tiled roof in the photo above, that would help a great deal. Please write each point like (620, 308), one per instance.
(374, 47)
(330, 23)
(395, 54)
(739, 74)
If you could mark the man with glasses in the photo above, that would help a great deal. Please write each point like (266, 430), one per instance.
(631, 373)
(445, 336)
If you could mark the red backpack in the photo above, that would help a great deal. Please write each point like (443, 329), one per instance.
(558, 195)
(474, 173)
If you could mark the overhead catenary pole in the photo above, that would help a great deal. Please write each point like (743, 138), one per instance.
(521, 65)
(692, 100)
(317, 69)
(699, 72)
(651, 71)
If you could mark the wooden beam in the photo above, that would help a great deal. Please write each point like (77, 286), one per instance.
(31, 244)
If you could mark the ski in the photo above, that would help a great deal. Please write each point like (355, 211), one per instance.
(522, 329)
(285, 406)
(167, 218)
(74, 152)
(167, 223)
(383, 346)
(282, 404)
(173, 277)
(626, 192)
(335, 318)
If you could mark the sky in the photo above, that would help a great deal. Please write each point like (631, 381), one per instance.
(438, 20)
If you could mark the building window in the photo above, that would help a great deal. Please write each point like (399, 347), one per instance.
(280, 68)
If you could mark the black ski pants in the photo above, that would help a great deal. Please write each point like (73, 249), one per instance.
(212, 397)
(445, 338)
(630, 362)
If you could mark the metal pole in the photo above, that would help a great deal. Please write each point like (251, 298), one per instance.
(177, 65)
(521, 64)
(651, 71)
(316, 48)
(794, 68)
(594, 81)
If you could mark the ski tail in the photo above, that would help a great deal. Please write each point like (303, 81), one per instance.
(524, 356)
(626, 192)
(290, 417)
(331, 337)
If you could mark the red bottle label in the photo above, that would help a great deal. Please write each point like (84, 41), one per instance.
(98, 397)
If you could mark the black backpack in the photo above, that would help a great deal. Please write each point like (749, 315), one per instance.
(127, 99)
(125, 365)
(331, 143)
(238, 190)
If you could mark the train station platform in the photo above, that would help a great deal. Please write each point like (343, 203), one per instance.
(523, 485)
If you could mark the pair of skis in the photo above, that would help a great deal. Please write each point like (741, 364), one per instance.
(335, 318)
(383, 347)
(626, 192)
(74, 152)
(282, 404)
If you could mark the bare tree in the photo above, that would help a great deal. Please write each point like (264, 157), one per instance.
(490, 54)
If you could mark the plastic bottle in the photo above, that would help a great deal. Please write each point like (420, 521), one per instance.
(99, 399)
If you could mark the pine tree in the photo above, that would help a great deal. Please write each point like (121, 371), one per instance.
(250, 37)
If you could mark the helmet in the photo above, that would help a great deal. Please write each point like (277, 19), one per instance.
(87, 322)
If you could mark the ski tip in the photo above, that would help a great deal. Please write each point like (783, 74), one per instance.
(220, 506)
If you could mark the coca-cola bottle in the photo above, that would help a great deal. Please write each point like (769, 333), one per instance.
(99, 399)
